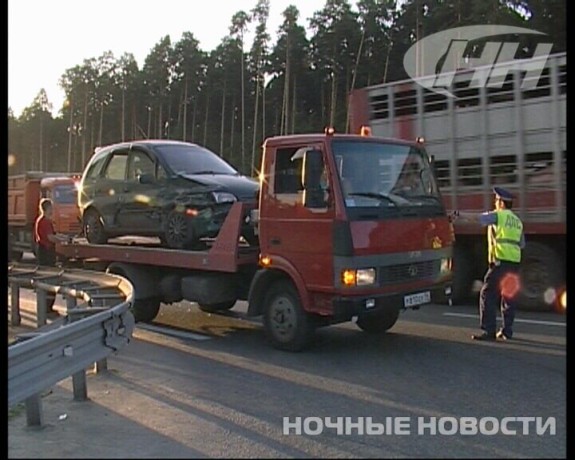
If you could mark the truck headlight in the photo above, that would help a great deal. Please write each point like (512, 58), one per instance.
(445, 266)
(360, 277)
(224, 197)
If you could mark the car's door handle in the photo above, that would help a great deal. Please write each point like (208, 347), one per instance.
(275, 241)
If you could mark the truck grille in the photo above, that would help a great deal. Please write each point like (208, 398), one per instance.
(408, 272)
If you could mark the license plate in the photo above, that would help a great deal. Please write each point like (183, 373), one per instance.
(416, 299)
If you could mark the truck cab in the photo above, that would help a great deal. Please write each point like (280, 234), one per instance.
(338, 219)
(63, 191)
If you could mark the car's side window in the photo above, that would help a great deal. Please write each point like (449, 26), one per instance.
(140, 163)
(116, 169)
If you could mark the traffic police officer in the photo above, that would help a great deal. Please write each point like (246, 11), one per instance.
(505, 240)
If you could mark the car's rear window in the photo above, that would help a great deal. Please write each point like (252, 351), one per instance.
(193, 159)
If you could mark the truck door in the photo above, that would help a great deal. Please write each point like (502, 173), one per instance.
(298, 212)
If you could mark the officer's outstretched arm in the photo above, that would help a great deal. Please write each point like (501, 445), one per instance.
(463, 216)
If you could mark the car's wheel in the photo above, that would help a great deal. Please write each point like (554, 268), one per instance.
(378, 323)
(221, 306)
(94, 228)
(178, 234)
(287, 325)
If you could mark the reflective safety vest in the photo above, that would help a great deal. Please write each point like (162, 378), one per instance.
(504, 237)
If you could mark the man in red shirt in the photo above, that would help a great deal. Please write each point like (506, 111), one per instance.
(45, 238)
(44, 234)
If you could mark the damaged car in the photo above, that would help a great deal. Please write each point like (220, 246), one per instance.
(177, 191)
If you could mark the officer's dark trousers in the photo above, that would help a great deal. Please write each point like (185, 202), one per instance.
(499, 292)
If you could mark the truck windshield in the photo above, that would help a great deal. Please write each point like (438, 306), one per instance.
(65, 194)
(385, 175)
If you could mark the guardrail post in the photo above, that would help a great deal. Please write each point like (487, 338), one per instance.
(34, 412)
(80, 386)
(79, 383)
(15, 318)
(41, 307)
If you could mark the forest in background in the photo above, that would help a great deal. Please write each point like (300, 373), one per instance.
(231, 98)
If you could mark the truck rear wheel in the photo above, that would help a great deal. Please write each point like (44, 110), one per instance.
(145, 310)
(210, 308)
(147, 299)
(378, 323)
(287, 326)
(541, 269)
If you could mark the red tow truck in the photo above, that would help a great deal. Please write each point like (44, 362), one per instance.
(336, 243)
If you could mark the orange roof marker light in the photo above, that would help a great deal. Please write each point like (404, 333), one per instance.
(329, 130)
(365, 131)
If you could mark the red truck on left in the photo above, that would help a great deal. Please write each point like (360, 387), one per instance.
(24, 194)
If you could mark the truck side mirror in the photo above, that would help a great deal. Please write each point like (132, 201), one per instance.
(314, 192)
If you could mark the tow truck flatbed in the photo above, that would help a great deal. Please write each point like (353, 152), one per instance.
(225, 254)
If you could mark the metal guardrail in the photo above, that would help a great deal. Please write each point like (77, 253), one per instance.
(91, 330)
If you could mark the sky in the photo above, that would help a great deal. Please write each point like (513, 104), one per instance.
(46, 37)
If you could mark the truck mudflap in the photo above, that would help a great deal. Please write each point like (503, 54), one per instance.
(345, 308)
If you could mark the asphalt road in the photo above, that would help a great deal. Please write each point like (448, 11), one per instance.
(213, 387)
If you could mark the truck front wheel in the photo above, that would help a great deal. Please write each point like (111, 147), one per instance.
(287, 326)
(378, 323)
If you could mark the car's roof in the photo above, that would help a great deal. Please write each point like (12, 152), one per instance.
(145, 142)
